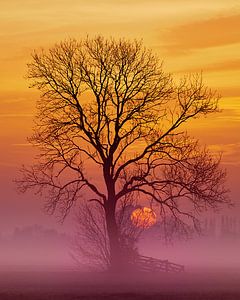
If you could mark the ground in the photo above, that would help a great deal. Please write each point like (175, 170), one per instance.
(74, 285)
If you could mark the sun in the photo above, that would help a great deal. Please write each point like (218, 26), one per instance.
(143, 217)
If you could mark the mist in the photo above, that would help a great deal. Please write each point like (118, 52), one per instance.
(38, 247)
(215, 248)
(35, 248)
(36, 260)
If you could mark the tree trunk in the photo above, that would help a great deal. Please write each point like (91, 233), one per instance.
(116, 258)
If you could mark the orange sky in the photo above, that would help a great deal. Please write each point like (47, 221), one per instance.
(189, 36)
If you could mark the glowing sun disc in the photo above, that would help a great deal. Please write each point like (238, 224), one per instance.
(143, 217)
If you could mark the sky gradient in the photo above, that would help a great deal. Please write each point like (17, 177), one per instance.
(189, 36)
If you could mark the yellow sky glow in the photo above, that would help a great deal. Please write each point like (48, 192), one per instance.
(189, 36)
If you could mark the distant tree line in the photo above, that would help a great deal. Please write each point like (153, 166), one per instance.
(222, 227)
(34, 233)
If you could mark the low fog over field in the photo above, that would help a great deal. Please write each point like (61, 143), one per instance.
(38, 261)
(38, 247)
(35, 247)
(216, 247)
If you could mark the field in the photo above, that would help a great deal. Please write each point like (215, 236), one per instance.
(73, 285)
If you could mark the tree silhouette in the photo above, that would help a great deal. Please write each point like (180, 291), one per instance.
(107, 107)
(91, 243)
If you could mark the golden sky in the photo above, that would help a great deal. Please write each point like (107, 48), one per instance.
(189, 36)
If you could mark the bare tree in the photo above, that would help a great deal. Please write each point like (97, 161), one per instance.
(107, 105)
(90, 243)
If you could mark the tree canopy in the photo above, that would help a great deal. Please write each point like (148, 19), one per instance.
(108, 105)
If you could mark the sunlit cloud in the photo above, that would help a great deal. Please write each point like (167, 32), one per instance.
(230, 91)
(228, 65)
(16, 115)
(230, 152)
(7, 164)
(217, 31)
(230, 106)
(22, 145)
